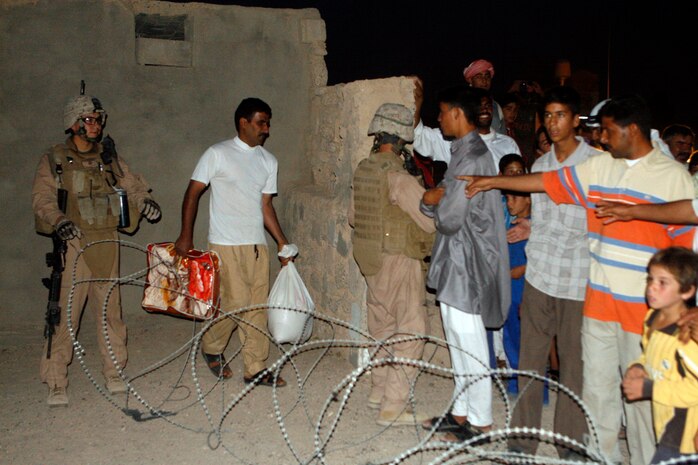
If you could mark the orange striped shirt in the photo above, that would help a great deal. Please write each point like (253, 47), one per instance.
(620, 251)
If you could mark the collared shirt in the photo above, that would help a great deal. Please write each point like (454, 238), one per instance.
(469, 265)
(558, 250)
(620, 251)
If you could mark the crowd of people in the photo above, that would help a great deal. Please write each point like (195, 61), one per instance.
(554, 238)
(554, 243)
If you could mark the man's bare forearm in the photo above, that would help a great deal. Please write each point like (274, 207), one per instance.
(678, 212)
(190, 208)
(526, 183)
(271, 222)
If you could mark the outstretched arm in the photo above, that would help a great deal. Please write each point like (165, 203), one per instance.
(526, 183)
(429, 142)
(678, 212)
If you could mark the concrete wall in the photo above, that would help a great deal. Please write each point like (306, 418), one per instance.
(161, 117)
(317, 213)
(167, 102)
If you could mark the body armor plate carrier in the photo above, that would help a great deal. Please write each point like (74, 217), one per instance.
(379, 226)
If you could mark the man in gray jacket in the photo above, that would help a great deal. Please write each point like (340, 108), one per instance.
(469, 266)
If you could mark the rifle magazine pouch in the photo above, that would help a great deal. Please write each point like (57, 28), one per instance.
(185, 287)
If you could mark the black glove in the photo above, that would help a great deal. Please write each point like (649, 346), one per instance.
(67, 230)
(151, 210)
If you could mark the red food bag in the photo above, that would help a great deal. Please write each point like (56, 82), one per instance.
(186, 287)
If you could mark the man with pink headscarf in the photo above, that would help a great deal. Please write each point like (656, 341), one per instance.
(479, 74)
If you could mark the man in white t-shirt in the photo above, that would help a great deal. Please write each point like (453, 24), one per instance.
(429, 142)
(242, 176)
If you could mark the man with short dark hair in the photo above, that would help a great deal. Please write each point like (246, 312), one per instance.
(469, 265)
(634, 172)
(557, 270)
(680, 139)
(430, 142)
(242, 176)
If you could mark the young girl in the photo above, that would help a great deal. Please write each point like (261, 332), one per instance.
(664, 372)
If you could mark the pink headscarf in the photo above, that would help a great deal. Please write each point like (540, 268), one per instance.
(477, 67)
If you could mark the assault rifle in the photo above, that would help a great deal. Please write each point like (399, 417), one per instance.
(54, 260)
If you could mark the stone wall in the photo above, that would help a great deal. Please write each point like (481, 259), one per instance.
(170, 76)
(317, 213)
(167, 101)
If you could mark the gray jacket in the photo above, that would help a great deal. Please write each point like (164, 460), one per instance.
(470, 260)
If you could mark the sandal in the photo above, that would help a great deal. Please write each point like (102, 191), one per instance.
(265, 380)
(464, 432)
(446, 424)
(217, 364)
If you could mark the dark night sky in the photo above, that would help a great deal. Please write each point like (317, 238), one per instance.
(651, 49)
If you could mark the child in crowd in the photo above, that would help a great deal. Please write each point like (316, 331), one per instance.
(509, 165)
(518, 207)
(667, 370)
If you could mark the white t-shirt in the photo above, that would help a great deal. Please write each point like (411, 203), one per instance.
(238, 175)
(430, 143)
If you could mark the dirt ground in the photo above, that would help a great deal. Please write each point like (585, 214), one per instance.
(320, 417)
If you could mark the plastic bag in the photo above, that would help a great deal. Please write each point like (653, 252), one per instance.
(289, 292)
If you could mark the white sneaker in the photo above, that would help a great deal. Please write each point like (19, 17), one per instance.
(115, 385)
(57, 397)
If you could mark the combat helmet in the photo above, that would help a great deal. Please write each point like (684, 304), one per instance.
(395, 119)
(82, 105)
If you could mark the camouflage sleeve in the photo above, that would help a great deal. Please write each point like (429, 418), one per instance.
(406, 193)
(135, 185)
(44, 195)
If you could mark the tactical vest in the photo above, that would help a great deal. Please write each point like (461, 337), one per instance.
(379, 226)
(93, 204)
